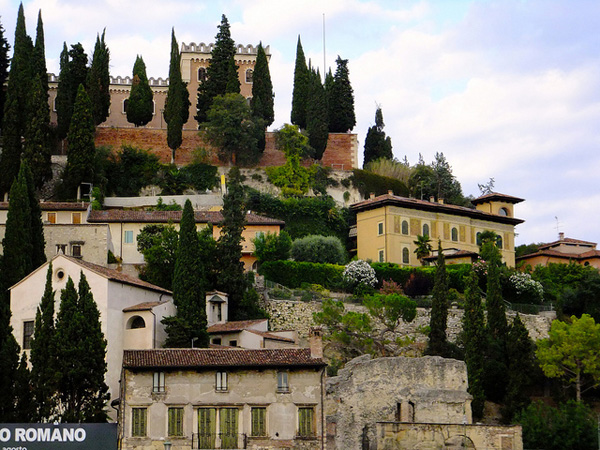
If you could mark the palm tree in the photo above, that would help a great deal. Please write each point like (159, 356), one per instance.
(424, 248)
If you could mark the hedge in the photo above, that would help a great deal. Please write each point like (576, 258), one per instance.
(390, 271)
(293, 273)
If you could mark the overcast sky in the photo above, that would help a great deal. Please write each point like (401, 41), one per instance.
(508, 89)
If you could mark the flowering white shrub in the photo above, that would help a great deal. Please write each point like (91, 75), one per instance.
(360, 272)
(525, 285)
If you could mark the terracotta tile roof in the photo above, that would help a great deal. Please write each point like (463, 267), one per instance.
(125, 215)
(456, 254)
(562, 255)
(238, 325)
(199, 358)
(567, 241)
(496, 196)
(115, 275)
(145, 306)
(56, 206)
(267, 335)
(422, 205)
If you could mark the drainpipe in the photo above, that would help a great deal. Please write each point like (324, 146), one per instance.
(323, 427)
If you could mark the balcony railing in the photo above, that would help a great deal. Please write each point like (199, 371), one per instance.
(220, 441)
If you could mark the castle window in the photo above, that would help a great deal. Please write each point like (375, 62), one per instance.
(405, 255)
(454, 234)
(202, 76)
(425, 229)
(125, 103)
(249, 75)
(404, 227)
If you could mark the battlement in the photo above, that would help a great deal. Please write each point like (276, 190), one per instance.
(249, 49)
(127, 81)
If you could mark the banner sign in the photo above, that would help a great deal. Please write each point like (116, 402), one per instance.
(64, 436)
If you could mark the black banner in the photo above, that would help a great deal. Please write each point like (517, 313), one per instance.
(64, 436)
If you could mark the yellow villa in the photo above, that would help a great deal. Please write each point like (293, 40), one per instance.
(388, 225)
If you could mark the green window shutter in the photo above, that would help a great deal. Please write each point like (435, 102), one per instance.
(207, 427)
(229, 427)
(305, 422)
(259, 423)
(175, 422)
(138, 421)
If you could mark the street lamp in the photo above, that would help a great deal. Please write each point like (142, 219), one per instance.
(167, 445)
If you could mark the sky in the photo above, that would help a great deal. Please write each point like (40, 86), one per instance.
(505, 89)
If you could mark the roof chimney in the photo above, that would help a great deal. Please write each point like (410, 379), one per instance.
(372, 195)
(441, 201)
(390, 192)
(561, 236)
(315, 341)
(431, 199)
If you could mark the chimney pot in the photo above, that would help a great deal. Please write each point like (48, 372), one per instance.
(372, 195)
(441, 201)
(315, 341)
(431, 199)
(390, 192)
(561, 236)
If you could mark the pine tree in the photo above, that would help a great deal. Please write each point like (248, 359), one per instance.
(36, 148)
(140, 105)
(43, 362)
(4, 65)
(301, 88)
(82, 150)
(377, 145)
(473, 338)
(341, 106)
(81, 355)
(177, 103)
(438, 343)
(98, 80)
(316, 115)
(262, 88)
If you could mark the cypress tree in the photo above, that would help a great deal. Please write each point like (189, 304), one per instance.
(262, 88)
(233, 79)
(377, 145)
(80, 158)
(316, 115)
(39, 57)
(301, 88)
(177, 103)
(62, 102)
(36, 233)
(9, 362)
(43, 362)
(341, 106)
(36, 148)
(24, 403)
(438, 344)
(189, 288)
(4, 65)
(473, 338)
(98, 80)
(329, 82)
(140, 106)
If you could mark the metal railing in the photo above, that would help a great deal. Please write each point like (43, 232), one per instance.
(220, 441)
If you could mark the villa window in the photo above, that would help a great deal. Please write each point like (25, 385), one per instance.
(259, 421)
(405, 255)
(137, 322)
(404, 227)
(249, 75)
(27, 334)
(128, 237)
(76, 250)
(503, 212)
(158, 382)
(454, 234)
(175, 427)
(380, 228)
(478, 238)
(425, 229)
(233, 343)
(51, 217)
(381, 256)
(76, 218)
(139, 422)
(216, 341)
(282, 382)
(221, 382)
(499, 242)
(306, 422)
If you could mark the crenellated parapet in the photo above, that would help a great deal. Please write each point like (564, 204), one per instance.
(249, 49)
(127, 81)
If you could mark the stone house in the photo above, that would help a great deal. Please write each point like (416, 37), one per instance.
(388, 225)
(222, 399)
(563, 251)
(130, 309)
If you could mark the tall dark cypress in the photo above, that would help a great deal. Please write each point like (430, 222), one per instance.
(4, 65)
(316, 115)
(36, 232)
(262, 88)
(63, 94)
(140, 106)
(25, 408)
(301, 87)
(37, 150)
(438, 343)
(219, 73)
(377, 145)
(98, 80)
(39, 56)
(341, 108)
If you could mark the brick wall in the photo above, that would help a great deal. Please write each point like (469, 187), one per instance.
(341, 152)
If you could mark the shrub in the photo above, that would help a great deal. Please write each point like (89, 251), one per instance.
(201, 177)
(525, 289)
(359, 272)
(293, 273)
(319, 249)
(272, 247)
(418, 284)
(130, 170)
(368, 182)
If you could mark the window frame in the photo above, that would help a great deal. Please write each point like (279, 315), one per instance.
(139, 421)
(221, 381)
(283, 381)
(28, 328)
(76, 250)
(454, 234)
(250, 79)
(380, 229)
(306, 425)
(405, 255)
(258, 421)
(381, 256)
(426, 230)
(158, 383)
(175, 421)
(76, 218)
(404, 229)
(128, 237)
(51, 217)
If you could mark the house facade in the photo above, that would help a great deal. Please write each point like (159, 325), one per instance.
(563, 251)
(222, 399)
(388, 225)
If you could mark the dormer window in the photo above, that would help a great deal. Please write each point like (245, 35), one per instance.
(503, 212)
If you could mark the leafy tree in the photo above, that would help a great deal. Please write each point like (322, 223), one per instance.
(300, 94)
(436, 180)
(219, 73)
(566, 353)
(189, 287)
(158, 244)
(372, 332)
(526, 249)
(473, 338)
(80, 159)
(233, 130)
(292, 142)
(140, 106)
(319, 249)
(262, 89)
(272, 247)
(177, 103)
(98, 80)
(377, 145)
(317, 115)
(130, 170)
(292, 178)
(80, 352)
(438, 343)
(341, 106)
(43, 362)
(4, 65)
(423, 248)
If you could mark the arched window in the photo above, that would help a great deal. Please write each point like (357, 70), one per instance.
(425, 229)
(125, 103)
(405, 255)
(404, 227)
(503, 212)
(202, 74)
(249, 75)
(478, 238)
(499, 242)
(136, 322)
(454, 234)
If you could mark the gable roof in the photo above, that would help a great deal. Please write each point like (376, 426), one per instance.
(193, 358)
(567, 241)
(591, 254)
(144, 306)
(497, 197)
(236, 325)
(422, 205)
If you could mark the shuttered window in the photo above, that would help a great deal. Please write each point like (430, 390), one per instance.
(259, 421)
(139, 421)
(306, 422)
(175, 422)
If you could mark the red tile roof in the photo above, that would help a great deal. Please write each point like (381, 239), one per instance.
(496, 196)
(207, 358)
(56, 206)
(145, 306)
(126, 215)
(567, 241)
(422, 205)
(562, 255)
(238, 325)
(274, 337)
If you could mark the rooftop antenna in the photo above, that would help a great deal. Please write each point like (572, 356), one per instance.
(557, 225)
(324, 55)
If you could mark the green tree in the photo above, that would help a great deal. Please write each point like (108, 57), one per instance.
(272, 247)
(317, 124)
(36, 232)
(436, 180)
(319, 249)
(158, 244)
(43, 362)
(37, 150)
(189, 288)
(80, 159)
(140, 106)
(300, 94)
(423, 248)
(73, 72)
(80, 353)
(25, 408)
(4, 65)
(377, 145)
(220, 73)
(341, 106)
(39, 57)
(473, 338)
(438, 343)
(98, 80)
(177, 103)
(292, 178)
(233, 130)
(566, 353)
(262, 89)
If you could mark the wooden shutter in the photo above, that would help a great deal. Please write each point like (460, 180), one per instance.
(207, 427)
(229, 427)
